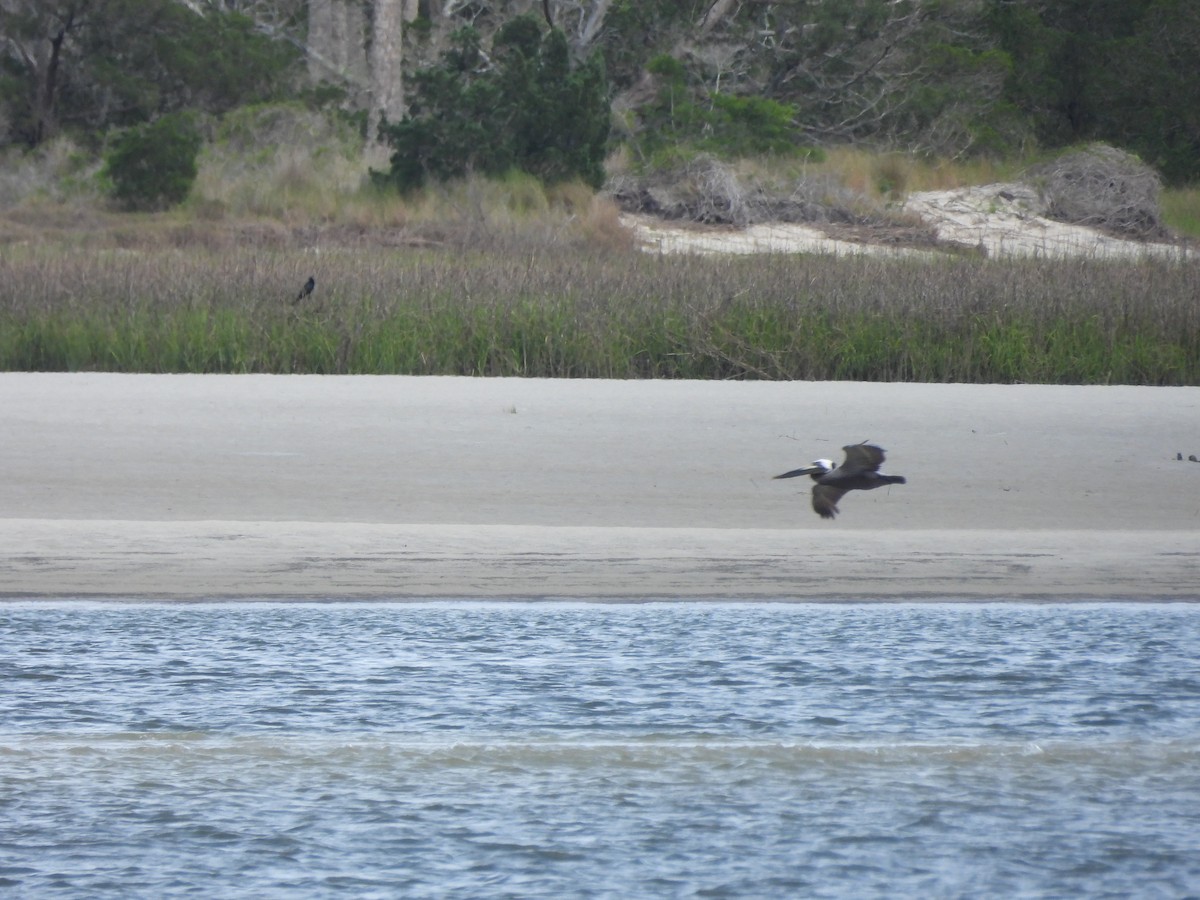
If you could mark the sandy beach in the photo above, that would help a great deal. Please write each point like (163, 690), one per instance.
(307, 487)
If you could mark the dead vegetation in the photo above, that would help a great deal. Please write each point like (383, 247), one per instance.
(1099, 187)
(709, 191)
(1102, 187)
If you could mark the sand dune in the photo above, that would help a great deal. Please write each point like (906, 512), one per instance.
(998, 220)
(160, 486)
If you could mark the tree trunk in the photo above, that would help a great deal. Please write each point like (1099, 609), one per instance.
(595, 22)
(715, 14)
(47, 90)
(37, 42)
(387, 59)
(337, 31)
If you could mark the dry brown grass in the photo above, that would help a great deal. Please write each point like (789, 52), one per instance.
(882, 175)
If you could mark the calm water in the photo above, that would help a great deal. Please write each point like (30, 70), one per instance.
(496, 750)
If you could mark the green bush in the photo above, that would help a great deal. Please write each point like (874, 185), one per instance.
(684, 119)
(153, 166)
(530, 111)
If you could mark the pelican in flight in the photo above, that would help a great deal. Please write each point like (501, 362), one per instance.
(860, 472)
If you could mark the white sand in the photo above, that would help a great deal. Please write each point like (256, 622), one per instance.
(160, 486)
(1002, 220)
(656, 235)
(1009, 220)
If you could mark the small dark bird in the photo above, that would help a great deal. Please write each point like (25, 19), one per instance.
(860, 472)
(306, 290)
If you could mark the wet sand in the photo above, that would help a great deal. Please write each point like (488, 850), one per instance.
(309, 487)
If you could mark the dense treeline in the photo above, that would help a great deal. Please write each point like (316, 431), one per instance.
(1122, 71)
(87, 66)
(955, 77)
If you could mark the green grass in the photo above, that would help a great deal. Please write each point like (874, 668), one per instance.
(570, 310)
(1181, 210)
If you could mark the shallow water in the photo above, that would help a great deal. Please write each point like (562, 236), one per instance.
(554, 750)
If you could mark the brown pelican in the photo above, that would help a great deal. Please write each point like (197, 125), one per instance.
(860, 472)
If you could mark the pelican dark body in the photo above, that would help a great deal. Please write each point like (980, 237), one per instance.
(859, 472)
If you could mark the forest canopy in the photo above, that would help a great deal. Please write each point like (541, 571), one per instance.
(941, 77)
(87, 66)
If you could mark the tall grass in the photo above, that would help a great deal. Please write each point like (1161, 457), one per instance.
(875, 174)
(1181, 210)
(571, 309)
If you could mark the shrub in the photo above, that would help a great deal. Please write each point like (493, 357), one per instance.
(531, 111)
(686, 118)
(1103, 187)
(153, 166)
(283, 160)
(702, 188)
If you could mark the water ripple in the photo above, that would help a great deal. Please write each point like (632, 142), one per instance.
(599, 751)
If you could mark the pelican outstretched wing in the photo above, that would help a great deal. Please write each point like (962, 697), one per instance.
(825, 499)
(863, 457)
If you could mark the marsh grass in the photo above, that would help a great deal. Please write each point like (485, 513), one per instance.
(577, 309)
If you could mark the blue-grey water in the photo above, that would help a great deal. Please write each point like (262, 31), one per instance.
(574, 750)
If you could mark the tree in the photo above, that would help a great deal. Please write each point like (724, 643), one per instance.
(91, 64)
(1121, 71)
(521, 106)
(1160, 113)
(684, 117)
(32, 38)
(152, 167)
(557, 115)
(911, 73)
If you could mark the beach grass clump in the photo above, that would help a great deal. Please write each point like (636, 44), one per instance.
(521, 305)
(280, 160)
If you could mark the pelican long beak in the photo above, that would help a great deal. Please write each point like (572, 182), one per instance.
(807, 470)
